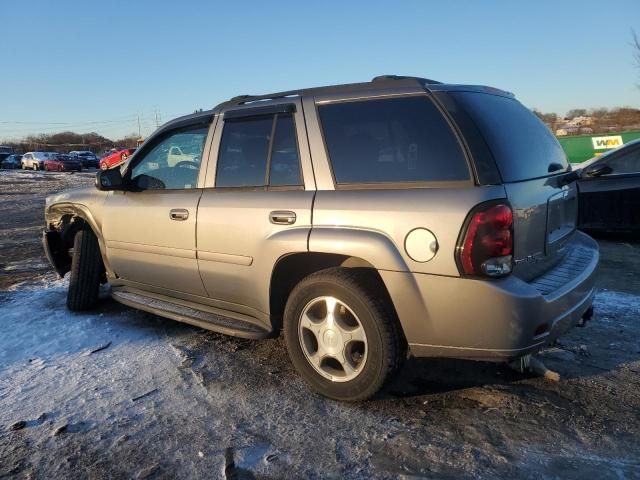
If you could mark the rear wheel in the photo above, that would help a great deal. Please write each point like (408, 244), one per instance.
(86, 271)
(341, 337)
(35, 166)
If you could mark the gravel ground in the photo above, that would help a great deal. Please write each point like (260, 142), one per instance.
(122, 393)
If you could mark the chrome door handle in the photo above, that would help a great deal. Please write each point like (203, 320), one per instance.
(282, 217)
(179, 214)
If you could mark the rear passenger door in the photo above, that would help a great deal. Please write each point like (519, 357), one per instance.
(256, 206)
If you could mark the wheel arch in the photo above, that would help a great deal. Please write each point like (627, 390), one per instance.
(290, 269)
(63, 221)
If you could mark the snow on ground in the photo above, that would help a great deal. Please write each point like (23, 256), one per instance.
(117, 393)
(158, 398)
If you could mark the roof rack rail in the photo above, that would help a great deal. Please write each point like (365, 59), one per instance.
(383, 78)
(242, 99)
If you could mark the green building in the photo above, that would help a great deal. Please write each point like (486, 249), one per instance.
(582, 147)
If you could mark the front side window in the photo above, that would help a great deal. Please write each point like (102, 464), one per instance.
(391, 140)
(158, 169)
(249, 157)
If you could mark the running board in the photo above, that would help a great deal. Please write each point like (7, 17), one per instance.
(182, 313)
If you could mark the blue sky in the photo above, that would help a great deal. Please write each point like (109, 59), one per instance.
(96, 66)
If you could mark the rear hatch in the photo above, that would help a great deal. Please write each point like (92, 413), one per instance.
(535, 173)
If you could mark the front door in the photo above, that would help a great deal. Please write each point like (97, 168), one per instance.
(150, 230)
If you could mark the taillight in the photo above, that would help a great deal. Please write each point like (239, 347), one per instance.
(487, 244)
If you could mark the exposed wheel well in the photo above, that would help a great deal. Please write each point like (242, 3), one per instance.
(60, 243)
(291, 269)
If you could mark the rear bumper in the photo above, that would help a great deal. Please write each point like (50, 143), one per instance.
(493, 320)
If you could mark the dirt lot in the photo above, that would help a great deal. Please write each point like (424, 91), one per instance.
(121, 393)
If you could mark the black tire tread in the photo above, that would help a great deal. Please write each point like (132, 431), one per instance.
(86, 271)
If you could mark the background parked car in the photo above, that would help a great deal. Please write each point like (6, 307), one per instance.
(116, 157)
(610, 190)
(5, 151)
(12, 161)
(35, 160)
(86, 157)
(63, 163)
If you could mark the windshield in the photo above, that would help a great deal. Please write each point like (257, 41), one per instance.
(523, 147)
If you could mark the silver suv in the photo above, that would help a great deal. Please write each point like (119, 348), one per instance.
(366, 221)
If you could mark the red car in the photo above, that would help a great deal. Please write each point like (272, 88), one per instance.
(62, 163)
(116, 157)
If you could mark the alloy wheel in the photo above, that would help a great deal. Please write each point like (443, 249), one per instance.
(333, 339)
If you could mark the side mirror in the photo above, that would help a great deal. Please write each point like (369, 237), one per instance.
(598, 170)
(109, 180)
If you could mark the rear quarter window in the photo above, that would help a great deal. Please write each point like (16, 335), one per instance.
(391, 141)
(522, 146)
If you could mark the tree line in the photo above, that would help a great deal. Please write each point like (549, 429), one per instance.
(602, 120)
(67, 141)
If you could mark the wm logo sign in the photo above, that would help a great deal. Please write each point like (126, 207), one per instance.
(603, 143)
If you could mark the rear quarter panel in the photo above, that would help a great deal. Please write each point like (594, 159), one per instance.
(393, 213)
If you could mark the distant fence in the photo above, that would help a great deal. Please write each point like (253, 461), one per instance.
(582, 147)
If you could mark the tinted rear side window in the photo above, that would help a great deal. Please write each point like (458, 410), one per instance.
(391, 140)
(285, 164)
(523, 147)
(242, 160)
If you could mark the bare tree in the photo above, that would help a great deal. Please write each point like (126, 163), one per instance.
(636, 49)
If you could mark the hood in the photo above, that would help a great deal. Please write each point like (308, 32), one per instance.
(79, 195)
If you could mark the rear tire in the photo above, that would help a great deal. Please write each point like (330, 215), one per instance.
(86, 271)
(378, 352)
(35, 167)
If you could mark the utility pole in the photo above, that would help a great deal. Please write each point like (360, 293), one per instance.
(139, 132)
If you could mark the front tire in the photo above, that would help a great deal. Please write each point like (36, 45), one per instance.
(86, 271)
(342, 337)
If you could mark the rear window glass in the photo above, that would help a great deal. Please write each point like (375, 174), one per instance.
(391, 140)
(523, 147)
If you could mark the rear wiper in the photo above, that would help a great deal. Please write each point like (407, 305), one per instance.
(569, 177)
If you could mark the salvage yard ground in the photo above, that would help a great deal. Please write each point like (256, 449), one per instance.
(121, 393)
